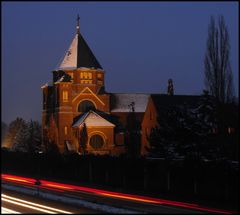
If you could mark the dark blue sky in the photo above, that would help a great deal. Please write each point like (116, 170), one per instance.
(140, 45)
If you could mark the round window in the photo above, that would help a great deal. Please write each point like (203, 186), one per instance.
(85, 106)
(96, 141)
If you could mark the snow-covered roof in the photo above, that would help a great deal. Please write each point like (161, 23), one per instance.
(70, 59)
(60, 79)
(92, 119)
(79, 55)
(80, 120)
(89, 68)
(46, 85)
(120, 102)
(64, 78)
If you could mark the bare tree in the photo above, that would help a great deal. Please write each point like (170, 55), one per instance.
(218, 72)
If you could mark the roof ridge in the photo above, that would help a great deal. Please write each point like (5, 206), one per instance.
(82, 117)
(97, 114)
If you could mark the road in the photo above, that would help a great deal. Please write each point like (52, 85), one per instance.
(15, 203)
(97, 200)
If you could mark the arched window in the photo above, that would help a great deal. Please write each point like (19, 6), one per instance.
(65, 96)
(96, 141)
(85, 106)
(65, 130)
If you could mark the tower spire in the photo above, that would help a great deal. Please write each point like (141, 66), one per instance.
(78, 24)
(79, 54)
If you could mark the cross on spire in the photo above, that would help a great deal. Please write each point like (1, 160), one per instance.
(78, 24)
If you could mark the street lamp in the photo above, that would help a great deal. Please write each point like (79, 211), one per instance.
(38, 183)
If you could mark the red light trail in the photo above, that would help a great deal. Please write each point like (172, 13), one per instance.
(61, 187)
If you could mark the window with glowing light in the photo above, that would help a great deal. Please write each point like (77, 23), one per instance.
(65, 130)
(86, 75)
(65, 96)
(86, 81)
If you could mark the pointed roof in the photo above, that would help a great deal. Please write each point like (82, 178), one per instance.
(79, 54)
(91, 118)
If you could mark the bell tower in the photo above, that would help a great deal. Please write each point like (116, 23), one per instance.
(77, 81)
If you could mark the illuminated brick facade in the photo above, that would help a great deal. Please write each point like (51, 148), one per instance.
(76, 100)
(77, 97)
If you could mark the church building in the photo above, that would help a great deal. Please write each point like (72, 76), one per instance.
(79, 115)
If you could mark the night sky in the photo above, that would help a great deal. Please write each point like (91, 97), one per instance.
(140, 45)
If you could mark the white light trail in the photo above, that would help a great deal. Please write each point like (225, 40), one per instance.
(27, 206)
(8, 211)
(32, 205)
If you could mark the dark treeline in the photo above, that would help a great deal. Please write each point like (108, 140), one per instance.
(22, 136)
(202, 181)
(209, 130)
